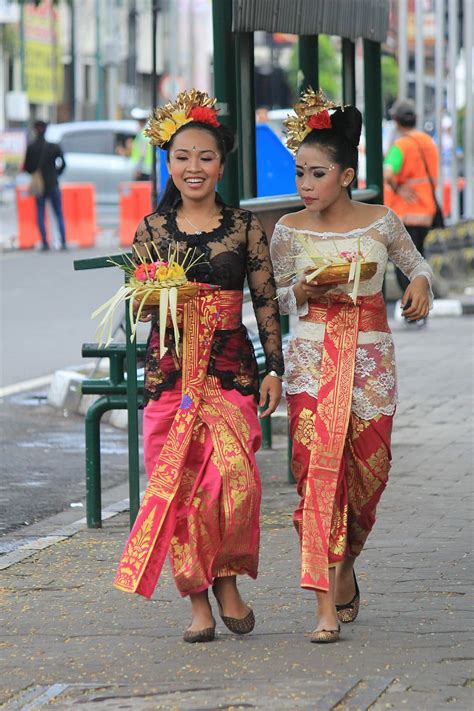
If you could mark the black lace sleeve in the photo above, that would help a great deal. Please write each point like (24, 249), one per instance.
(143, 243)
(263, 290)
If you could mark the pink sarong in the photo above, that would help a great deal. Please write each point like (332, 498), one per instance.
(203, 498)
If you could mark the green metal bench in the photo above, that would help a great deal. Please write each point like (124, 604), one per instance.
(113, 396)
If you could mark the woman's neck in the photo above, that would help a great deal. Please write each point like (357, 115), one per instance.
(198, 207)
(336, 213)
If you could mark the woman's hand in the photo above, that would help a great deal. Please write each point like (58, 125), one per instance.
(271, 389)
(305, 291)
(147, 312)
(415, 301)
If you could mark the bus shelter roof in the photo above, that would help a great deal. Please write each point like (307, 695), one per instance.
(346, 18)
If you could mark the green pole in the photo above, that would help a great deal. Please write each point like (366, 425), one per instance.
(247, 153)
(348, 72)
(225, 89)
(132, 409)
(373, 116)
(308, 56)
(72, 86)
(93, 473)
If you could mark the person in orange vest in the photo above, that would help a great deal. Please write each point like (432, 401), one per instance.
(410, 172)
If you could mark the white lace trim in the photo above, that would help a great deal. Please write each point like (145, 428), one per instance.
(374, 390)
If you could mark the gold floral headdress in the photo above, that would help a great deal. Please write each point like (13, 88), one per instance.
(189, 106)
(312, 111)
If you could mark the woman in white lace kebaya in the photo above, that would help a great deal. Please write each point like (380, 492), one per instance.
(340, 362)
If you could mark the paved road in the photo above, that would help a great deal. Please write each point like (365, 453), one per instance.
(46, 307)
(70, 640)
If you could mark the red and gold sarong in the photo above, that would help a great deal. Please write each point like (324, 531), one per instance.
(333, 448)
(206, 468)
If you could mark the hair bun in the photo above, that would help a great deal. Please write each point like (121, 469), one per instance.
(348, 121)
(228, 137)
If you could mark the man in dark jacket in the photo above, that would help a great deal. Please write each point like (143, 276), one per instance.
(49, 160)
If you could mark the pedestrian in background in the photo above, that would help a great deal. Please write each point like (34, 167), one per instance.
(200, 423)
(411, 174)
(142, 151)
(340, 362)
(45, 162)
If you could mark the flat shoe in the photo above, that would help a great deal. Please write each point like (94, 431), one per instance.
(349, 611)
(325, 636)
(206, 635)
(243, 625)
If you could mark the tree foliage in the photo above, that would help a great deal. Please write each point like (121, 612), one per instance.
(329, 68)
(389, 79)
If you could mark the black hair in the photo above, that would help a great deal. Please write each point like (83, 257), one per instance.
(40, 127)
(408, 121)
(342, 139)
(225, 140)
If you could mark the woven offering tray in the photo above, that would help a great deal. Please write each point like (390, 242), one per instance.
(339, 273)
(185, 292)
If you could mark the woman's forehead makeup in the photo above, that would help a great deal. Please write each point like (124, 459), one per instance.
(305, 166)
(195, 149)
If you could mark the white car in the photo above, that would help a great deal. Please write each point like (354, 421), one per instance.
(96, 152)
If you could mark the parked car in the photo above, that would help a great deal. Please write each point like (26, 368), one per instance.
(96, 152)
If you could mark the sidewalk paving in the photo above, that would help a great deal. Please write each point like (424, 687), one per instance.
(68, 638)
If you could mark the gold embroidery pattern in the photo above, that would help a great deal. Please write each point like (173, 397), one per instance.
(305, 432)
(332, 418)
(219, 533)
(135, 552)
(338, 537)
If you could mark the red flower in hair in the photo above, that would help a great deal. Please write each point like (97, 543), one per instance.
(320, 120)
(204, 114)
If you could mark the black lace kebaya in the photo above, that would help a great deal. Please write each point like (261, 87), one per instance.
(236, 249)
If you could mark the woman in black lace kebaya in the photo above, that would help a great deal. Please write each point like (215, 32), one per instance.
(201, 429)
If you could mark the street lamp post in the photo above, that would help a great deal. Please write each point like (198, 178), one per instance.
(72, 84)
(154, 95)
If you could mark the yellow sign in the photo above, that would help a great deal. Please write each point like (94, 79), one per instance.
(43, 65)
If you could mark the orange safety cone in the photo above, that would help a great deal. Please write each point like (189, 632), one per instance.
(28, 232)
(78, 200)
(135, 203)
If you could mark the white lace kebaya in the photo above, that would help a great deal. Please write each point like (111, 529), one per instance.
(375, 390)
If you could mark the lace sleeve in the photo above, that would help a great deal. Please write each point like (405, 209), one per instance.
(262, 288)
(142, 242)
(403, 252)
(284, 251)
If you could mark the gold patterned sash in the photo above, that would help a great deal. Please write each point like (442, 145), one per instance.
(343, 321)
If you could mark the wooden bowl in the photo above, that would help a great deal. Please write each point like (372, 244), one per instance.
(339, 274)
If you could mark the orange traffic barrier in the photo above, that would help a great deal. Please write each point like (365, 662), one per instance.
(78, 200)
(135, 203)
(28, 232)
